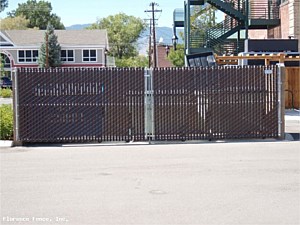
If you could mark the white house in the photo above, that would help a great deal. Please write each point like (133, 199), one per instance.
(79, 48)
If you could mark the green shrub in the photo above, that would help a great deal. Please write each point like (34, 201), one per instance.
(6, 122)
(5, 92)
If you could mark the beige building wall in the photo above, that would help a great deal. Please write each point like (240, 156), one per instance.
(258, 34)
(294, 20)
(290, 22)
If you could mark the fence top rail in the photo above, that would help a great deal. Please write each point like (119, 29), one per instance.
(75, 69)
(83, 69)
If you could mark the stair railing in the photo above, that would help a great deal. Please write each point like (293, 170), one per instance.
(263, 10)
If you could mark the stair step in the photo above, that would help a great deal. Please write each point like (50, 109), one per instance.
(227, 8)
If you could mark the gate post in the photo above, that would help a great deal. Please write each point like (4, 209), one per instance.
(16, 141)
(149, 106)
(281, 100)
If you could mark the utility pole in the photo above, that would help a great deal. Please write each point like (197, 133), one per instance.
(154, 36)
(153, 11)
(150, 50)
(150, 42)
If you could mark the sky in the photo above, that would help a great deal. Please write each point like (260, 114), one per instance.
(74, 12)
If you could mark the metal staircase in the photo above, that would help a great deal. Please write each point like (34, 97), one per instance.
(217, 36)
(241, 15)
(232, 8)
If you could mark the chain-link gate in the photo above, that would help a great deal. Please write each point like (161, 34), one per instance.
(79, 105)
(216, 103)
(135, 104)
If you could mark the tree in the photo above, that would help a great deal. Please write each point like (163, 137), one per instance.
(15, 23)
(50, 50)
(123, 33)
(177, 57)
(38, 13)
(3, 5)
(137, 61)
(2, 62)
(202, 21)
(203, 18)
(3, 72)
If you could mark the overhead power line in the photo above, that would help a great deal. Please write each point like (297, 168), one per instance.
(153, 12)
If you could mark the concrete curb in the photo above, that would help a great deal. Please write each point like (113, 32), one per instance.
(288, 137)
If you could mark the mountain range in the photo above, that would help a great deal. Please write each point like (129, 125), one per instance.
(163, 35)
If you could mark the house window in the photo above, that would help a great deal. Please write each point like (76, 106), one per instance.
(89, 55)
(28, 55)
(67, 55)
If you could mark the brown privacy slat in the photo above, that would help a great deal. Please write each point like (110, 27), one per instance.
(229, 103)
(108, 104)
(78, 104)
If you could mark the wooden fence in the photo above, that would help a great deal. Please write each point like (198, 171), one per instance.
(233, 59)
(292, 87)
(292, 79)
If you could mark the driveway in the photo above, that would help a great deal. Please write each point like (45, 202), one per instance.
(5, 101)
(292, 121)
(209, 183)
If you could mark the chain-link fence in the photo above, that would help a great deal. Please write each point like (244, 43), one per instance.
(135, 104)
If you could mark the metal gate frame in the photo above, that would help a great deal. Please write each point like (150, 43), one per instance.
(112, 98)
(151, 100)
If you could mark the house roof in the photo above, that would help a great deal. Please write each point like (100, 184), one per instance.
(65, 37)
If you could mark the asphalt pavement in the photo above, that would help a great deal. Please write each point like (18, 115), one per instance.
(232, 183)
